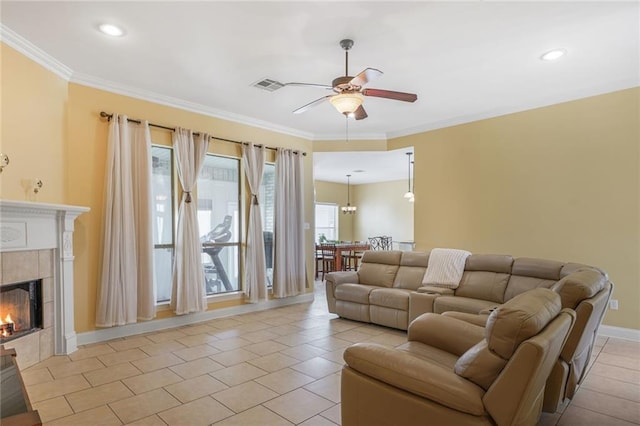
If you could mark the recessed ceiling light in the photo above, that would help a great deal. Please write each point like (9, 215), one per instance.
(554, 54)
(112, 30)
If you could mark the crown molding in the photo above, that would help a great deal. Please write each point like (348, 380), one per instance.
(34, 53)
(31, 51)
(514, 109)
(120, 89)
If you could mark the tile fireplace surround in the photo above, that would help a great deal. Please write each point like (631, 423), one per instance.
(36, 242)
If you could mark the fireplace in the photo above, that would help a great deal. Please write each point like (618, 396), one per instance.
(36, 245)
(21, 309)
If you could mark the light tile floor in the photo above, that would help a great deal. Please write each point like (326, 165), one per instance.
(275, 367)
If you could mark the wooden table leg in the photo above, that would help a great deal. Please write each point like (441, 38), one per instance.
(338, 259)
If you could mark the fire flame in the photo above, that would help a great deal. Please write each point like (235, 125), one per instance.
(7, 320)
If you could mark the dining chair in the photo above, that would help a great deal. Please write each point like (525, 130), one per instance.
(380, 243)
(328, 258)
(351, 258)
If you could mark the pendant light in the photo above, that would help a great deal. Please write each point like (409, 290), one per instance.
(409, 194)
(348, 209)
(413, 183)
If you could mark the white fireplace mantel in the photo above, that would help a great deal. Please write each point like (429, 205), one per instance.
(28, 225)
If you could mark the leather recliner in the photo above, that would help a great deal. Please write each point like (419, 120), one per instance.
(454, 372)
(587, 291)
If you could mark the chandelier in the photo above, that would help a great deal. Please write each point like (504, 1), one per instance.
(348, 209)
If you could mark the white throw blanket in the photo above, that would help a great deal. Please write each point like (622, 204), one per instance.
(445, 267)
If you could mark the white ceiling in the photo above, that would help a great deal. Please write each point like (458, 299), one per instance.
(364, 167)
(465, 60)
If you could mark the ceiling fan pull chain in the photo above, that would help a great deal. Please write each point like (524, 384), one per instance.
(346, 120)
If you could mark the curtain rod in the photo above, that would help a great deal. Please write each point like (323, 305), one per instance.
(173, 129)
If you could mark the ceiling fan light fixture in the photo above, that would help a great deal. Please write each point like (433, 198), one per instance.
(347, 103)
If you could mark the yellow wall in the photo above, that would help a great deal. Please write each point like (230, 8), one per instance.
(382, 210)
(86, 162)
(560, 182)
(33, 127)
(336, 193)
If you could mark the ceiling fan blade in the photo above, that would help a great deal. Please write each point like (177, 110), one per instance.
(398, 96)
(321, 86)
(311, 104)
(360, 113)
(365, 77)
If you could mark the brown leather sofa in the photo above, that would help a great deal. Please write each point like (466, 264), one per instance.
(451, 372)
(387, 290)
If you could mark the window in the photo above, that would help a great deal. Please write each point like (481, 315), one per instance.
(163, 242)
(219, 223)
(326, 222)
(266, 198)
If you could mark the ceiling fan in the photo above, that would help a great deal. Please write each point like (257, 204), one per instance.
(350, 91)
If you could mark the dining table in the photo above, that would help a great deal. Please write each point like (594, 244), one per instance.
(346, 247)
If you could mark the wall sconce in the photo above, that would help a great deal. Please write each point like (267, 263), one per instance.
(37, 185)
(4, 161)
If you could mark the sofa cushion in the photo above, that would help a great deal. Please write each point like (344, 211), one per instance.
(409, 277)
(461, 304)
(379, 268)
(390, 298)
(438, 356)
(519, 284)
(538, 268)
(529, 273)
(357, 293)
(480, 365)
(519, 319)
(413, 265)
(500, 263)
(483, 285)
(580, 285)
(571, 267)
(414, 258)
(387, 257)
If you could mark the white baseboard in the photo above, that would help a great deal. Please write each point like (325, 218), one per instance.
(102, 335)
(619, 332)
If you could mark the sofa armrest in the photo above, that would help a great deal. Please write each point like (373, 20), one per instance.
(442, 291)
(476, 319)
(334, 279)
(420, 303)
(343, 277)
(415, 375)
(447, 333)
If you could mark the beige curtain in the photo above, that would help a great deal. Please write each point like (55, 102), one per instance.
(126, 291)
(188, 293)
(289, 275)
(255, 270)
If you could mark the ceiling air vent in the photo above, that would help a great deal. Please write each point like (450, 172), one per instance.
(268, 85)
